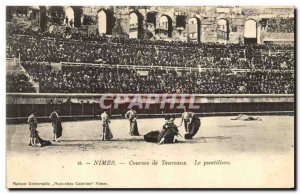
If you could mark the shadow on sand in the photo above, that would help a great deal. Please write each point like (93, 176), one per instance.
(206, 139)
(78, 140)
(70, 143)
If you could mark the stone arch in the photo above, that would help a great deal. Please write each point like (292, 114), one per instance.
(69, 17)
(223, 29)
(136, 24)
(73, 13)
(105, 21)
(102, 22)
(194, 29)
(250, 31)
(166, 25)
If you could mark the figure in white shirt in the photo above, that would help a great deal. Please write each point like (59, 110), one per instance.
(106, 132)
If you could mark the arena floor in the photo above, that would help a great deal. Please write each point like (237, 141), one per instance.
(261, 145)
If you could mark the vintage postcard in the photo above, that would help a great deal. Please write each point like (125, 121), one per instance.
(150, 97)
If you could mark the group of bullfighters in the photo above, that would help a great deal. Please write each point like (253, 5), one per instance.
(168, 133)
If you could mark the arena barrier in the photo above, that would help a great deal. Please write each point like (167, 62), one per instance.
(199, 68)
(86, 106)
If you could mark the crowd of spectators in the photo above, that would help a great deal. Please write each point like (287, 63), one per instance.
(265, 68)
(95, 79)
(149, 53)
(68, 34)
(281, 25)
(18, 83)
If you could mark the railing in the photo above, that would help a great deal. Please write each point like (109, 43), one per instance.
(20, 106)
(221, 34)
(190, 69)
(139, 67)
(44, 98)
(200, 95)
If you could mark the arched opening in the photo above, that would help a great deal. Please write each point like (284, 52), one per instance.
(106, 21)
(135, 25)
(194, 30)
(102, 26)
(165, 26)
(69, 17)
(223, 29)
(250, 34)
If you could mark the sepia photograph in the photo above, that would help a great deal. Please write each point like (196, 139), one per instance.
(150, 97)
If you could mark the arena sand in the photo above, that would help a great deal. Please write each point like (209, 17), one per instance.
(237, 154)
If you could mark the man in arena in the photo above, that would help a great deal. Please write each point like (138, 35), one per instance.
(186, 117)
(56, 124)
(169, 132)
(35, 139)
(192, 123)
(32, 121)
(106, 132)
(131, 115)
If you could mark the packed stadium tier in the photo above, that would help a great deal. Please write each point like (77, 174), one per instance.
(285, 25)
(220, 68)
(149, 53)
(18, 83)
(82, 78)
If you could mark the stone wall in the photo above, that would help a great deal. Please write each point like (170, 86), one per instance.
(208, 17)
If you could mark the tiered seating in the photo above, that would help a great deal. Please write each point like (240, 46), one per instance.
(95, 79)
(278, 25)
(18, 83)
(224, 69)
(145, 53)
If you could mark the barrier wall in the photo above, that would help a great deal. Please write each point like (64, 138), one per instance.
(81, 106)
